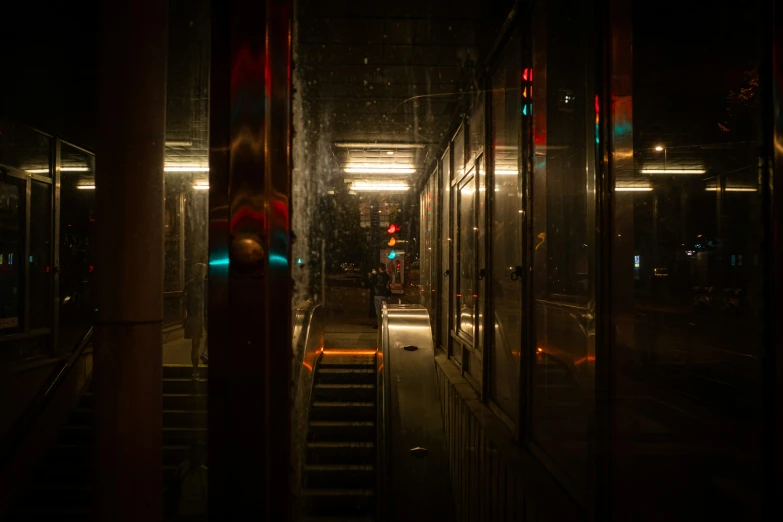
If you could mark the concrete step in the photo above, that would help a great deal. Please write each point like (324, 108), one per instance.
(350, 361)
(64, 495)
(344, 375)
(358, 431)
(340, 502)
(182, 371)
(50, 513)
(339, 476)
(343, 453)
(344, 392)
(337, 519)
(184, 385)
(82, 418)
(342, 411)
(171, 401)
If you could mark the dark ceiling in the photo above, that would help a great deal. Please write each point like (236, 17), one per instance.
(390, 72)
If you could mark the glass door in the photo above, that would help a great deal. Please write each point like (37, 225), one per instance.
(12, 248)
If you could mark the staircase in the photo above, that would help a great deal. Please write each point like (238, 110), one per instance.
(339, 475)
(62, 489)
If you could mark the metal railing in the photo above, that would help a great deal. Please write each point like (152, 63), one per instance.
(27, 420)
(383, 422)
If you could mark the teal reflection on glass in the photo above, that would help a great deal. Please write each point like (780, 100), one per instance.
(222, 261)
(278, 260)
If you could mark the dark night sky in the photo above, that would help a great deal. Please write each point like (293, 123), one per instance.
(49, 57)
(688, 55)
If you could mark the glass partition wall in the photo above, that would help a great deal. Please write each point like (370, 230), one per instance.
(47, 195)
(676, 233)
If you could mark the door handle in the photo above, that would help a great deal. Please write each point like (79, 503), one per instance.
(482, 274)
(516, 272)
(446, 273)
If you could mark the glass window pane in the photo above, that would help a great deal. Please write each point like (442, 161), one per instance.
(173, 222)
(459, 153)
(466, 286)
(424, 261)
(476, 131)
(40, 261)
(12, 217)
(77, 216)
(445, 252)
(688, 283)
(433, 247)
(563, 181)
(25, 149)
(506, 232)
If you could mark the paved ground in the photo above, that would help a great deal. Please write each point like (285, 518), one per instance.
(178, 352)
(348, 324)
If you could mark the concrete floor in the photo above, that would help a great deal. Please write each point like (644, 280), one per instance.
(177, 353)
(348, 325)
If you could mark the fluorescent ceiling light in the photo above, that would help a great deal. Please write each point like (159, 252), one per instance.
(62, 169)
(674, 171)
(201, 187)
(381, 169)
(179, 143)
(732, 189)
(633, 189)
(363, 186)
(369, 145)
(185, 168)
(85, 187)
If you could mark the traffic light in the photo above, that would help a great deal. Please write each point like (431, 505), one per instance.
(393, 229)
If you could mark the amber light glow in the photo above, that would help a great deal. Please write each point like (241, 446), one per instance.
(349, 352)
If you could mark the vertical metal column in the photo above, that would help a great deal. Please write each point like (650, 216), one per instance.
(772, 182)
(55, 297)
(129, 259)
(249, 258)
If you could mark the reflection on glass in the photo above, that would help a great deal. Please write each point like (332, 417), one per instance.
(432, 250)
(459, 154)
(564, 137)
(424, 258)
(11, 253)
(77, 216)
(40, 261)
(25, 149)
(466, 252)
(446, 250)
(506, 233)
(688, 353)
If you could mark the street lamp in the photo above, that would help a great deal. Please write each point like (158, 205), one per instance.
(660, 148)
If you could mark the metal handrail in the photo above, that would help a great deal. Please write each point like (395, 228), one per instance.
(31, 414)
(383, 422)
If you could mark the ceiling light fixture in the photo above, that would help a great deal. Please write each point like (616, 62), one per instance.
(62, 169)
(179, 143)
(185, 168)
(674, 171)
(381, 169)
(390, 187)
(369, 145)
(633, 189)
(85, 187)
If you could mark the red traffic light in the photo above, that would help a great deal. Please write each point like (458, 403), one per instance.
(393, 229)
